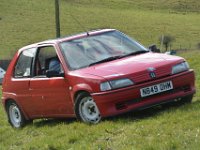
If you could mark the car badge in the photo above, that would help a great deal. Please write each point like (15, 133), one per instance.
(152, 74)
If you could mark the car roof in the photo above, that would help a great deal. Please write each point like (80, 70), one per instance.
(67, 38)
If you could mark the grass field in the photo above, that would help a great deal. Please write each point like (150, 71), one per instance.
(155, 128)
(24, 22)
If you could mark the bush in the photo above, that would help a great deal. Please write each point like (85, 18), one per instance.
(166, 40)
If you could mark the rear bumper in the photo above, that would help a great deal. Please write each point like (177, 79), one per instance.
(127, 99)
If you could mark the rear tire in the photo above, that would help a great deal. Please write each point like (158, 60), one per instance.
(15, 115)
(86, 109)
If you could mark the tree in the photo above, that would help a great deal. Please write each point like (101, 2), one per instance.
(166, 40)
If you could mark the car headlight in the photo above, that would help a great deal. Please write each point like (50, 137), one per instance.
(115, 84)
(184, 66)
(105, 86)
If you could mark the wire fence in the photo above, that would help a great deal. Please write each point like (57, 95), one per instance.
(181, 47)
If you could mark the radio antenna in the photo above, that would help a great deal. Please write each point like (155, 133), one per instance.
(79, 24)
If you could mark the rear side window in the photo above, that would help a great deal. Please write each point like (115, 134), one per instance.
(24, 64)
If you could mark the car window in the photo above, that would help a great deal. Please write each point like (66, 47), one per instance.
(95, 48)
(24, 63)
(47, 59)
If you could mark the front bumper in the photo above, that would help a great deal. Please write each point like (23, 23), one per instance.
(126, 99)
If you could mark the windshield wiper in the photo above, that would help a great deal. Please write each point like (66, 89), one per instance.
(105, 60)
(135, 53)
(118, 57)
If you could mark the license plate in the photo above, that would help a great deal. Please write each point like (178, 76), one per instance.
(155, 89)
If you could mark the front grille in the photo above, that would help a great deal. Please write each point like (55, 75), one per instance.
(144, 76)
(125, 104)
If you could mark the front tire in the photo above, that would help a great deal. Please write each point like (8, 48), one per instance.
(15, 116)
(86, 109)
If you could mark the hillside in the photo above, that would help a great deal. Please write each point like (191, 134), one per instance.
(173, 5)
(23, 22)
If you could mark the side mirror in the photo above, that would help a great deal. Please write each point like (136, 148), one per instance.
(52, 73)
(154, 48)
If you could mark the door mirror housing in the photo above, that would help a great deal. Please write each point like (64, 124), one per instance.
(53, 73)
(153, 48)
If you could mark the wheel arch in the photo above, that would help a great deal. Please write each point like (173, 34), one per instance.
(80, 88)
(77, 93)
(8, 100)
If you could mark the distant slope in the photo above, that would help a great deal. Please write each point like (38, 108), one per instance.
(176, 5)
(23, 22)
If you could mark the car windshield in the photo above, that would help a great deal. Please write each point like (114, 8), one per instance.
(94, 49)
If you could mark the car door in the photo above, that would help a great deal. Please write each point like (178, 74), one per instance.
(21, 81)
(52, 92)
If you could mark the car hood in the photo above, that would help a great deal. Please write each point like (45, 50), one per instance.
(135, 67)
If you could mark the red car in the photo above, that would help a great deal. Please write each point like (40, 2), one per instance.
(90, 76)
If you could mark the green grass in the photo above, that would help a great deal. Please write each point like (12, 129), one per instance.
(24, 22)
(155, 128)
